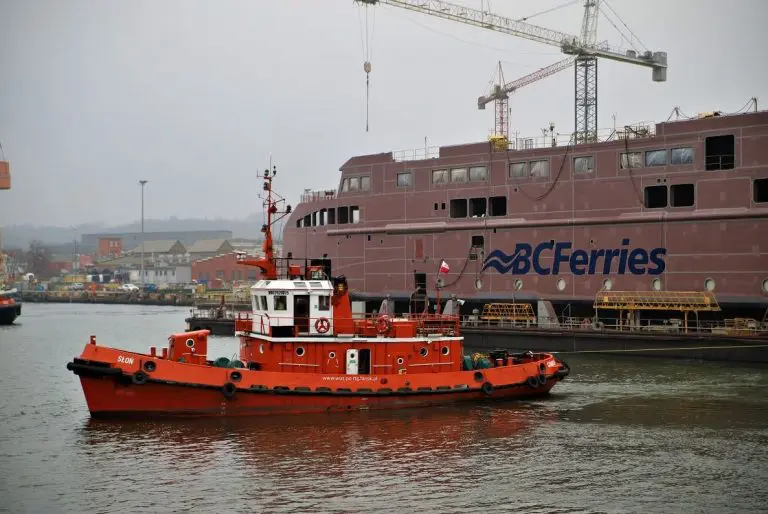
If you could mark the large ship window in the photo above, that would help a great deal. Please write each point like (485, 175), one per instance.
(459, 208)
(517, 170)
(322, 217)
(345, 185)
(478, 173)
(281, 302)
(314, 219)
(720, 151)
(478, 241)
(655, 197)
(760, 190)
(404, 179)
(459, 175)
(539, 169)
(583, 164)
(682, 156)
(478, 207)
(299, 222)
(354, 183)
(681, 195)
(343, 215)
(656, 158)
(365, 183)
(354, 214)
(498, 206)
(439, 176)
(308, 220)
(332, 216)
(323, 303)
(631, 160)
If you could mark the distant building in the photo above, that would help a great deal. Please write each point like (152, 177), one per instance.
(209, 248)
(223, 271)
(110, 246)
(133, 239)
(158, 248)
(163, 276)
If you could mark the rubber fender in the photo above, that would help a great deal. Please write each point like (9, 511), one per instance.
(487, 388)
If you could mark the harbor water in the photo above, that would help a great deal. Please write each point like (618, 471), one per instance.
(621, 434)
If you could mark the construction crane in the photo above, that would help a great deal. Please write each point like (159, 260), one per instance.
(585, 51)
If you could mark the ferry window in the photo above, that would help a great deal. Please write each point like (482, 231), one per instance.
(498, 206)
(459, 208)
(354, 183)
(682, 156)
(539, 169)
(584, 164)
(322, 217)
(720, 151)
(343, 215)
(655, 197)
(307, 220)
(681, 195)
(517, 169)
(314, 219)
(477, 207)
(631, 160)
(404, 179)
(459, 175)
(439, 176)
(298, 222)
(656, 158)
(478, 173)
(478, 241)
(281, 302)
(354, 214)
(365, 183)
(264, 303)
(760, 190)
(435, 205)
(345, 185)
(323, 303)
(442, 206)
(331, 216)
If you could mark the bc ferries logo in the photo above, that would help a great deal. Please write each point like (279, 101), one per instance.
(551, 258)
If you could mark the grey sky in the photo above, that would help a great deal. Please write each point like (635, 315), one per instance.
(193, 95)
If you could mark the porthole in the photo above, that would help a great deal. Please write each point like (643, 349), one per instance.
(331, 355)
(765, 285)
(261, 348)
(656, 284)
(478, 284)
(400, 360)
(607, 284)
(190, 343)
(299, 351)
(709, 284)
(424, 351)
(445, 350)
(561, 284)
(518, 284)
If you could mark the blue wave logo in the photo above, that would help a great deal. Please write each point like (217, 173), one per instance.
(500, 261)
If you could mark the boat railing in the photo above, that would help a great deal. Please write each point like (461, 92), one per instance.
(416, 154)
(316, 196)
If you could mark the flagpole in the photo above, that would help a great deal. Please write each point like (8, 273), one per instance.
(437, 288)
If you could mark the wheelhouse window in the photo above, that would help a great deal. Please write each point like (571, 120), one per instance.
(458, 174)
(354, 183)
(655, 158)
(439, 176)
(681, 156)
(365, 183)
(478, 207)
(459, 208)
(478, 173)
(343, 215)
(264, 306)
(345, 185)
(631, 160)
(323, 303)
(720, 152)
(281, 302)
(681, 195)
(314, 219)
(331, 216)
(584, 164)
(517, 170)
(354, 214)
(655, 197)
(322, 217)
(404, 179)
(307, 220)
(539, 169)
(498, 206)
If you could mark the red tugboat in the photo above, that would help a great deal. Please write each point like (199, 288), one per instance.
(302, 350)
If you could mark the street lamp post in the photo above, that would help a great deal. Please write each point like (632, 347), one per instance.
(143, 183)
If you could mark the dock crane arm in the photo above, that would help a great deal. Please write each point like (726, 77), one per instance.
(568, 44)
(500, 92)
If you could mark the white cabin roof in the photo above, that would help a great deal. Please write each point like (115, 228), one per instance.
(292, 285)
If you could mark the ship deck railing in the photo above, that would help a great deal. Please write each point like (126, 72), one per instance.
(316, 196)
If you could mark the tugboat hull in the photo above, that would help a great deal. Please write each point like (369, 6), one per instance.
(9, 313)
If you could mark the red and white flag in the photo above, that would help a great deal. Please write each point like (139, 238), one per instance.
(444, 268)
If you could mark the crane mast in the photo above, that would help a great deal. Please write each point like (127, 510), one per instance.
(584, 49)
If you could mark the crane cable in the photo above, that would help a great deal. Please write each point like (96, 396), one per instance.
(367, 47)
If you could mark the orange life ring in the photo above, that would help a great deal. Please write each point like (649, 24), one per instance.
(322, 325)
(383, 324)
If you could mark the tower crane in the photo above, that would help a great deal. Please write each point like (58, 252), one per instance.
(584, 51)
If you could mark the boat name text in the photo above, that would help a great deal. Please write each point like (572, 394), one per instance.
(124, 360)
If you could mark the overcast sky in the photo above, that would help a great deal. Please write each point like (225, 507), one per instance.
(194, 95)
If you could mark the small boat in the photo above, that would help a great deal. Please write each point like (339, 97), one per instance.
(10, 307)
(302, 350)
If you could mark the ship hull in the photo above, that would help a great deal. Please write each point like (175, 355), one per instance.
(9, 313)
